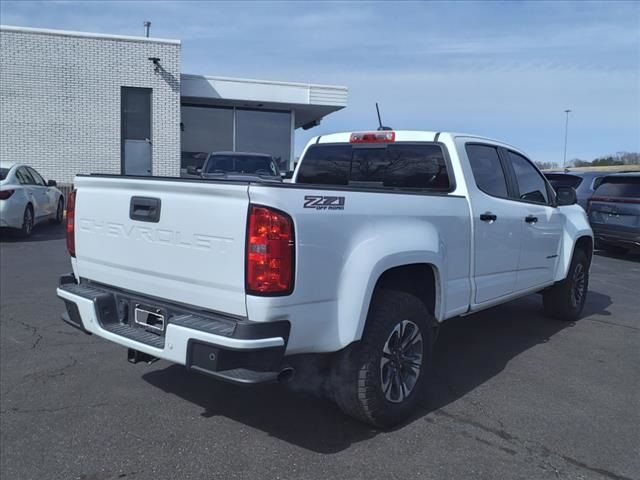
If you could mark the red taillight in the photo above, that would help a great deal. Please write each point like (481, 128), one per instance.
(4, 194)
(384, 136)
(71, 223)
(270, 252)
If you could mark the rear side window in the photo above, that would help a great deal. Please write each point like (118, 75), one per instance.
(561, 180)
(597, 181)
(487, 169)
(531, 185)
(619, 187)
(411, 166)
(24, 177)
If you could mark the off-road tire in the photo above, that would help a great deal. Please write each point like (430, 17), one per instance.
(566, 299)
(357, 375)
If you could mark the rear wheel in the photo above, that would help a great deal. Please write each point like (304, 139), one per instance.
(379, 380)
(59, 212)
(27, 222)
(566, 299)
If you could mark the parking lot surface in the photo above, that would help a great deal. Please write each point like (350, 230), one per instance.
(512, 395)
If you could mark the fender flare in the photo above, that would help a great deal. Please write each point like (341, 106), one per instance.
(367, 263)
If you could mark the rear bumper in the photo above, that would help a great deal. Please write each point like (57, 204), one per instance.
(11, 213)
(227, 348)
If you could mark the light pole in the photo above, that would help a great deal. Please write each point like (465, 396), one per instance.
(566, 132)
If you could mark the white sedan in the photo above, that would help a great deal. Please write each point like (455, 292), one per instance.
(26, 199)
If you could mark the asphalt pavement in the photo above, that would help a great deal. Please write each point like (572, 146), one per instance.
(513, 395)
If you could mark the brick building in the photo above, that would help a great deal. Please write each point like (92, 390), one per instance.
(75, 102)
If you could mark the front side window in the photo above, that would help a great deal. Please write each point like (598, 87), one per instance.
(487, 169)
(531, 185)
(36, 177)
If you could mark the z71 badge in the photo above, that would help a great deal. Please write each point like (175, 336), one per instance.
(323, 203)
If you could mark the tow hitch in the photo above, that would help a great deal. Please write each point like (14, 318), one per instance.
(134, 356)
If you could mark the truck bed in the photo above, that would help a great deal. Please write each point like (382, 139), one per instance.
(194, 254)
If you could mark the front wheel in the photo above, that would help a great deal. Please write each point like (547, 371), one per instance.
(566, 299)
(379, 379)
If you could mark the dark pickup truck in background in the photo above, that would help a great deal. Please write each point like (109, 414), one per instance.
(237, 166)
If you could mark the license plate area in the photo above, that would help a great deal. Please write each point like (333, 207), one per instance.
(151, 319)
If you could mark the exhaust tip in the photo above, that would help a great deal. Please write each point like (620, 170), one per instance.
(286, 374)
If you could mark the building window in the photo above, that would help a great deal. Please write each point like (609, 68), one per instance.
(259, 131)
(135, 116)
(214, 129)
(204, 130)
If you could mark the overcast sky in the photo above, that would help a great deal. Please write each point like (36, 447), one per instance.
(499, 69)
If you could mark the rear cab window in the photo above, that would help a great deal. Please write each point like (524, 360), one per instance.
(406, 166)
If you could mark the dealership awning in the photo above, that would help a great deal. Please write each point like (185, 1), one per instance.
(309, 102)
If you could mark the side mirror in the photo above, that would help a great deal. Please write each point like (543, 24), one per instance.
(287, 175)
(52, 183)
(193, 170)
(566, 196)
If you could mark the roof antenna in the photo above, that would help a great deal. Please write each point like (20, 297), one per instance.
(381, 127)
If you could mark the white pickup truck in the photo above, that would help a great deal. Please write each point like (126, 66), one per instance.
(380, 237)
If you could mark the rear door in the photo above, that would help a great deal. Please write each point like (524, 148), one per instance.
(37, 194)
(182, 241)
(542, 223)
(497, 225)
(47, 193)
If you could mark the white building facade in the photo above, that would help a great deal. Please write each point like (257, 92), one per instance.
(75, 103)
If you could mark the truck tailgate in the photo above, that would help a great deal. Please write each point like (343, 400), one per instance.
(192, 253)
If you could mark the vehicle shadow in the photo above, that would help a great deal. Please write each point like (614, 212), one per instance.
(469, 352)
(631, 255)
(42, 232)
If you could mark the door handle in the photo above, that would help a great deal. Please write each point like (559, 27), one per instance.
(488, 217)
(531, 219)
(145, 209)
